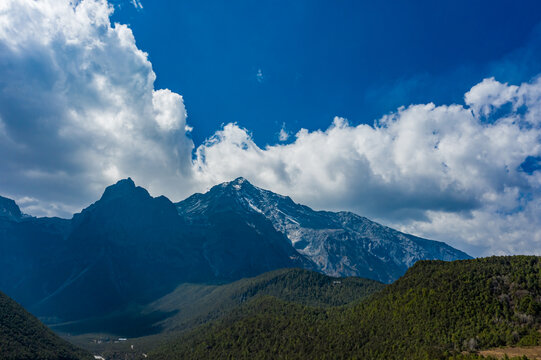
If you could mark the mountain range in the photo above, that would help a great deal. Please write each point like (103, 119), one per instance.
(336, 243)
(129, 248)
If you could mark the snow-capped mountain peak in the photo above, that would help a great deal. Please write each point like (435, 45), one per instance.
(338, 243)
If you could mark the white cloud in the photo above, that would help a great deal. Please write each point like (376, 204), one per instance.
(169, 110)
(484, 97)
(283, 135)
(78, 110)
(259, 76)
(78, 105)
(425, 168)
(137, 4)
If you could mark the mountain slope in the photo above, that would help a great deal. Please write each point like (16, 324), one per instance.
(32, 255)
(126, 247)
(9, 209)
(22, 336)
(196, 304)
(435, 310)
(192, 304)
(231, 233)
(337, 244)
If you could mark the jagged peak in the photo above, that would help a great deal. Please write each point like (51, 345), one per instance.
(121, 188)
(128, 182)
(9, 209)
(237, 184)
(240, 180)
(128, 198)
(242, 187)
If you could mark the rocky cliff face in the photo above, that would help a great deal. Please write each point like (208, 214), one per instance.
(9, 209)
(337, 244)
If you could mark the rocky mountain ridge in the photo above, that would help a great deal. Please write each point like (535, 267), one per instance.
(129, 248)
(338, 243)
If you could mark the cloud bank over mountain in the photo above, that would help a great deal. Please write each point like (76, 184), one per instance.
(79, 110)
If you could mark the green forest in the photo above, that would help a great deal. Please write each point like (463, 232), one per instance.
(22, 336)
(195, 304)
(437, 310)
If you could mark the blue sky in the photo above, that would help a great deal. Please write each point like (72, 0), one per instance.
(424, 116)
(319, 59)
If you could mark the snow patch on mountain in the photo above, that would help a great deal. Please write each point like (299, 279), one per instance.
(338, 243)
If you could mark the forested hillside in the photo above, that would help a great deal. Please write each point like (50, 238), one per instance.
(193, 304)
(436, 311)
(196, 304)
(22, 336)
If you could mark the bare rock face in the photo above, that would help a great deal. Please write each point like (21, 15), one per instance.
(337, 243)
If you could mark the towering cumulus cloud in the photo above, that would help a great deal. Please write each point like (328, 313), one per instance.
(465, 174)
(78, 110)
(78, 107)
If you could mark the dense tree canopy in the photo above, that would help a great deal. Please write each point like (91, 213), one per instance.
(437, 310)
(22, 336)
